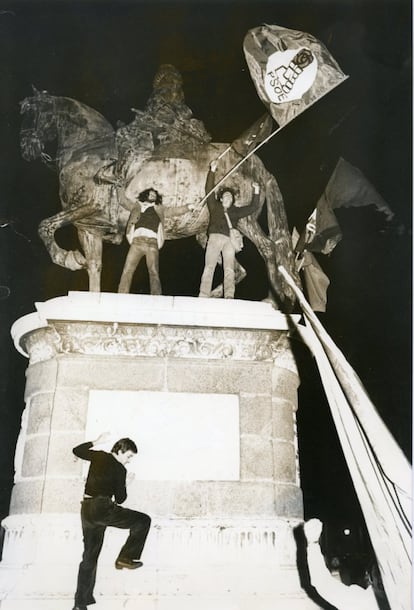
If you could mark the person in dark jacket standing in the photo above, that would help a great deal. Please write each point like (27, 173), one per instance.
(105, 489)
(219, 242)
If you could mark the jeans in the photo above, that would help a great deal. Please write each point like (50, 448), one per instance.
(218, 244)
(141, 246)
(96, 514)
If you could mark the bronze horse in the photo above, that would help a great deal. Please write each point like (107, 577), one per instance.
(86, 145)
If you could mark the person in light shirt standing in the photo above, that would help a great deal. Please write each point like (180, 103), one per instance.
(145, 234)
(223, 213)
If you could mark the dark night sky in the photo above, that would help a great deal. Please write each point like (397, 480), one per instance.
(105, 54)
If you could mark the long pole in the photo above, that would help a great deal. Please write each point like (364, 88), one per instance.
(393, 461)
(233, 169)
(380, 472)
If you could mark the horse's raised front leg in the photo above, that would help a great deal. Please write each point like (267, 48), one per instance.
(91, 243)
(71, 259)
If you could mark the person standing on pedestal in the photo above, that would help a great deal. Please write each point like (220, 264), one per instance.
(105, 489)
(145, 233)
(223, 216)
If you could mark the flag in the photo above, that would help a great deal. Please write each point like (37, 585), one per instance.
(347, 187)
(316, 281)
(322, 231)
(290, 69)
(380, 472)
(250, 138)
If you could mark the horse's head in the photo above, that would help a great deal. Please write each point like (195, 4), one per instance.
(39, 124)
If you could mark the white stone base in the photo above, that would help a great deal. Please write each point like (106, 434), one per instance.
(194, 565)
(221, 537)
(211, 602)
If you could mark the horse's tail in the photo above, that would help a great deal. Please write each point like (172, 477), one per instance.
(71, 259)
(279, 234)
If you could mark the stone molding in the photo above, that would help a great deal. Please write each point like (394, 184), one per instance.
(194, 540)
(144, 325)
(100, 339)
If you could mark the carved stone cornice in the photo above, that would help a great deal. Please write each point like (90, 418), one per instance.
(42, 344)
(113, 339)
(101, 324)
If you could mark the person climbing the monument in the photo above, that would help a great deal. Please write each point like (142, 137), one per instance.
(223, 219)
(341, 596)
(105, 490)
(145, 234)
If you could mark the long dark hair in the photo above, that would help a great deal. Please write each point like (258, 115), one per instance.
(143, 196)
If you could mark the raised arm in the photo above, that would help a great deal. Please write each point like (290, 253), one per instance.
(210, 182)
(328, 587)
(246, 210)
(83, 450)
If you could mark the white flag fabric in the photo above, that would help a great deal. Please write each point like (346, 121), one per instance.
(380, 472)
(291, 70)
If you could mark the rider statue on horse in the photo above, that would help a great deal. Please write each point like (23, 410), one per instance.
(102, 171)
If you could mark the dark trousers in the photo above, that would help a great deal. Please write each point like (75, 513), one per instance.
(97, 514)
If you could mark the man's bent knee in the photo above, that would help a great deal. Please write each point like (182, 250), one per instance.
(142, 520)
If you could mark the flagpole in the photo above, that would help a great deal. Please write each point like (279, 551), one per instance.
(224, 152)
(380, 472)
(233, 169)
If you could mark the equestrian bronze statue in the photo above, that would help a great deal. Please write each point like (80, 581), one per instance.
(102, 169)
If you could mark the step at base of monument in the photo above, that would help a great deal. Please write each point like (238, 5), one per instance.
(152, 588)
(168, 603)
(188, 565)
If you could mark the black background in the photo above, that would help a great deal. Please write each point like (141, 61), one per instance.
(105, 54)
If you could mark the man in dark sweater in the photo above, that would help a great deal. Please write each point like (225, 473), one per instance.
(105, 489)
(219, 242)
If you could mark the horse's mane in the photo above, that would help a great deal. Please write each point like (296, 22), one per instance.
(80, 128)
(82, 115)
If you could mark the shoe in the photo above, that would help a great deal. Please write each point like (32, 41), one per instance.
(129, 564)
(79, 608)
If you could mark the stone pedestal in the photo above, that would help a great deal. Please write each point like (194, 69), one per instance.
(208, 390)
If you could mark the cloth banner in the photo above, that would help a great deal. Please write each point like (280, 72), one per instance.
(254, 135)
(316, 281)
(322, 231)
(347, 187)
(379, 470)
(291, 70)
